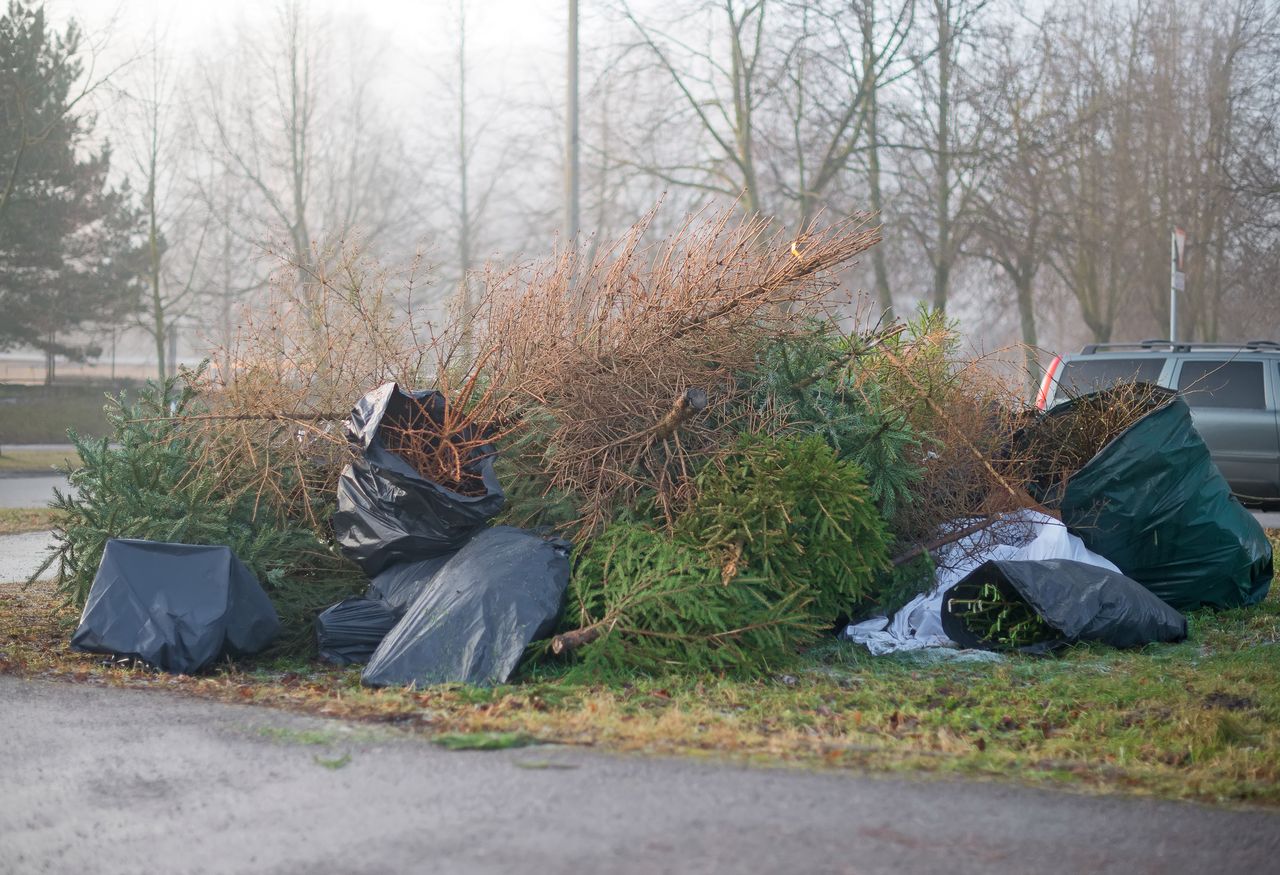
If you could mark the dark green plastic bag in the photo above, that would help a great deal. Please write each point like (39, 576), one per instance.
(1153, 502)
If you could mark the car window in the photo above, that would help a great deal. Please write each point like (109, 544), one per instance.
(1223, 384)
(1084, 375)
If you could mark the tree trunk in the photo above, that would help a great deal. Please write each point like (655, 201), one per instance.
(1027, 314)
(153, 253)
(50, 366)
(942, 257)
(744, 135)
(299, 156)
(884, 295)
(464, 205)
(571, 165)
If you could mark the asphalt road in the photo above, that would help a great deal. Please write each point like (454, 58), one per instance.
(30, 490)
(107, 780)
(21, 555)
(1269, 520)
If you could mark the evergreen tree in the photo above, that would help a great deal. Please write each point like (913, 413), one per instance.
(70, 244)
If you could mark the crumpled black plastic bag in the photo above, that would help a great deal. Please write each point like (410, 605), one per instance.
(398, 585)
(178, 607)
(388, 513)
(1083, 602)
(351, 630)
(477, 616)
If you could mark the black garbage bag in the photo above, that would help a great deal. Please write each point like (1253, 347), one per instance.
(351, 630)
(398, 585)
(1081, 602)
(178, 607)
(389, 513)
(1153, 502)
(474, 621)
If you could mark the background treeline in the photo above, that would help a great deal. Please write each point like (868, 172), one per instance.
(1028, 163)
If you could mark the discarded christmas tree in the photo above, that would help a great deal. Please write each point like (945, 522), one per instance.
(781, 540)
(997, 618)
(640, 599)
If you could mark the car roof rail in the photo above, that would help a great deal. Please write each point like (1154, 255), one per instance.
(1150, 343)
(1180, 346)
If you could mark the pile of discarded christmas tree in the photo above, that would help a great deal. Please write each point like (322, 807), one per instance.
(665, 456)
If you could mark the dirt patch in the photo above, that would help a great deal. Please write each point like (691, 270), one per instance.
(1228, 702)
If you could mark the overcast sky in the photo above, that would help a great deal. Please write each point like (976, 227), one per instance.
(515, 26)
(512, 44)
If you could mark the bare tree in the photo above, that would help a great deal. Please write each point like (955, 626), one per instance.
(1209, 65)
(786, 98)
(1251, 172)
(721, 89)
(465, 164)
(230, 270)
(859, 49)
(1012, 211)
(1095, 73)
(1168, 102)
(159, 145)
(941, 131)
(313, 146)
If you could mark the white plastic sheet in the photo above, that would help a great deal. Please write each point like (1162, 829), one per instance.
(1026, 534)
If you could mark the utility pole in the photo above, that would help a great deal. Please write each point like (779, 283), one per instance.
(1177, 279)
(464, 203)
(571, 226)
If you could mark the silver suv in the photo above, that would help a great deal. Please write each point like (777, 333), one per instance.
(1233, 391)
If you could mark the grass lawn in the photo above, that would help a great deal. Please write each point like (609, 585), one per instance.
(15, 520)
(1196, 720)
(44, 461)
(42, 415)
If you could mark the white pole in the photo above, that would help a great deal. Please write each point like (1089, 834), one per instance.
(1173, 286)
(571, 134)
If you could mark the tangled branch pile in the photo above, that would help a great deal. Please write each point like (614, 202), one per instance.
(604, 351)
(734, 470)
(277, 390)
(439, 440)
(1062, 442)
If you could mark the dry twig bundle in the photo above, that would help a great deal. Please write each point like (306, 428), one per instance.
(636, 357)
(439, 438)
(967, 416)
(276, 392)
(1063, 441)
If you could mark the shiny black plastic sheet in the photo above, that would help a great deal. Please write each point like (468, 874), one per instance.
(178, 607)
(398, 585)
(388, 513)
(351, 630)
(1082, 602)
(474, 620)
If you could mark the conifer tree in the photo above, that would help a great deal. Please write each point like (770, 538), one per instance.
(70, 244)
